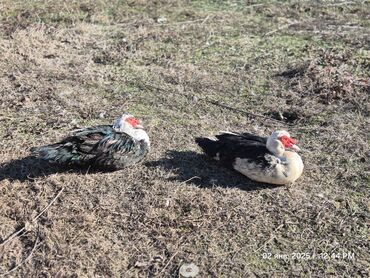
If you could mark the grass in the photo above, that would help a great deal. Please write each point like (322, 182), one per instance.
(303, 65)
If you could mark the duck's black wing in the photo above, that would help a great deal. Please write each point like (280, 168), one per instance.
(227, 147)
(242, 136)
(99, 146)
(253, 137)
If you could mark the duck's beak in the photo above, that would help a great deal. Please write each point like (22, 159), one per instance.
(295, 147)
(139, 126)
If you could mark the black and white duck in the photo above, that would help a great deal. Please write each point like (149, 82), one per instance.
(110, 146)
(270, 159)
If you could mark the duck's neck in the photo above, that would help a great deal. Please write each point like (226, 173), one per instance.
(294, 164)
(275, 147)
(140, 134)
(136, 133)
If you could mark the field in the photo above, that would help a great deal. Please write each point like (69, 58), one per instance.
(187, 69)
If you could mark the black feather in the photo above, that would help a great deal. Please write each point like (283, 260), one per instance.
(210, 147)
(230, 146)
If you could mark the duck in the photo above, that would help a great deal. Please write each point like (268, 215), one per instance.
(272, 160)
(115, 146)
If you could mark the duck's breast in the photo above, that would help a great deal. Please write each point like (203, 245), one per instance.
(255, 171)
(294, 165)
(276, 171)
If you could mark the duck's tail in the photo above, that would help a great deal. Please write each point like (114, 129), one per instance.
(56, 152)
(210, 146)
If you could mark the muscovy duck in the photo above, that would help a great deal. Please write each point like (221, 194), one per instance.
(262, 159)
(110, 146)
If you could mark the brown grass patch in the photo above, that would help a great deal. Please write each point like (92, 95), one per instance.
(81, 63)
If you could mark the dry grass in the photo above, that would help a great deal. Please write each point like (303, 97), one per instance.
(304, 66)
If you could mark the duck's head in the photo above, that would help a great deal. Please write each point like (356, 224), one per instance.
(279, 141)
(128, 124)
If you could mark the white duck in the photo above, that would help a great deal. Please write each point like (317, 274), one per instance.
(263, 159)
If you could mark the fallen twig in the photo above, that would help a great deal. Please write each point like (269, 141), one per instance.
(47, 207)
(174, 255)
(25, 260)
(280, 28)
(169, 261)
(208, 16)
(33, 220)
(192, 178)
(214, 102)
(340, 4)
(245, 112)
(184, 22)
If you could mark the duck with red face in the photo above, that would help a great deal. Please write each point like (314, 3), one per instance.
(110, 146)
(271, 160)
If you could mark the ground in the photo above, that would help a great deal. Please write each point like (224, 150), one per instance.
(187, 69)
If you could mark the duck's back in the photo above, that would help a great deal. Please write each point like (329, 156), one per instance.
(100, 146)
(230, 147)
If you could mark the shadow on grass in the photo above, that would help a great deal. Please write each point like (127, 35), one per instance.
(192, 167)
(30, 168)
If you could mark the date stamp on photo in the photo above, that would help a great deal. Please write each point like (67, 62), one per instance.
(310, 256)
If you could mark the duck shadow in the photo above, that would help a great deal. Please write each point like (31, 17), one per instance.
(30, 168)
(198, 169)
